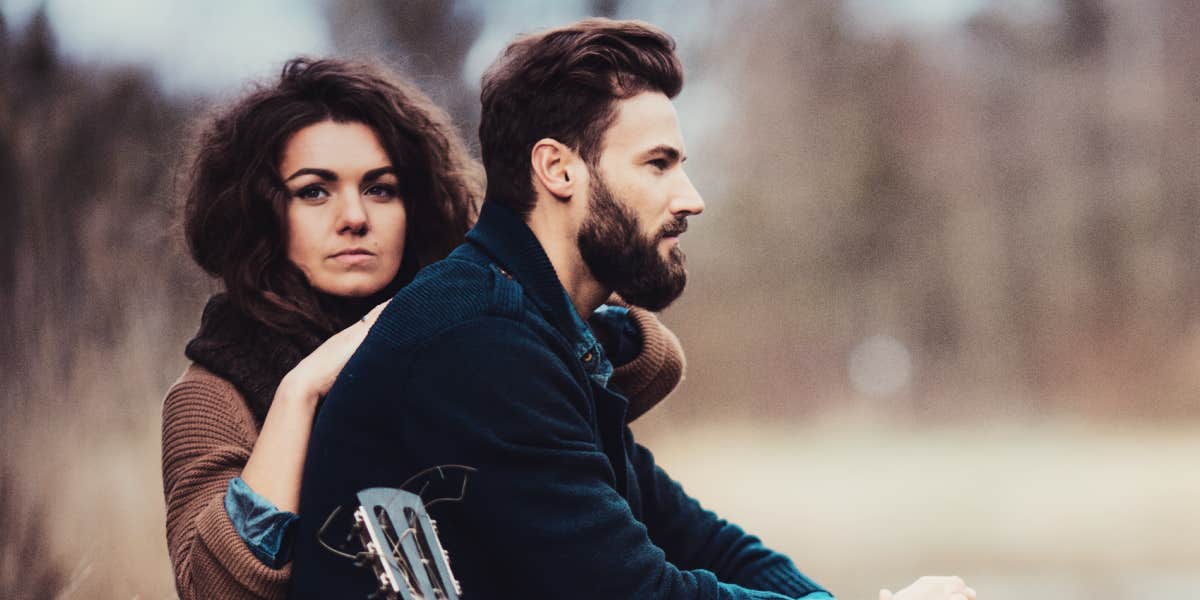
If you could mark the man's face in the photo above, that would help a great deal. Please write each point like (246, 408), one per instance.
(639, 201)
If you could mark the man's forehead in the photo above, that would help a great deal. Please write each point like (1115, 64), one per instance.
(643, 123)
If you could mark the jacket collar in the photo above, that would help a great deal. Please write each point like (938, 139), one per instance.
(508, 241)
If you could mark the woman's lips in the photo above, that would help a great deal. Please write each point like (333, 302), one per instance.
(353, 256)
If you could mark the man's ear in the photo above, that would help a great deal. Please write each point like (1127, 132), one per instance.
(552, 163)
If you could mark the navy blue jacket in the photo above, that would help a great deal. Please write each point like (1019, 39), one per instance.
(479, 362)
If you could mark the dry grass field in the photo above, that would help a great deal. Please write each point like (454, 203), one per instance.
(1022, 510)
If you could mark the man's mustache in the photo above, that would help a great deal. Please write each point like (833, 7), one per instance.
(673, 228)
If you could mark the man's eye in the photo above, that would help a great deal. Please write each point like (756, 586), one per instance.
(660, 163)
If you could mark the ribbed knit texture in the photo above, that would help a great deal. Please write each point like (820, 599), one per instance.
(656, 371)
(209, 432)
(785, 579)
(248, 354)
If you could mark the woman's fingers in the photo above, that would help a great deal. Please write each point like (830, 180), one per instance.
(370, 318)
(321, 367)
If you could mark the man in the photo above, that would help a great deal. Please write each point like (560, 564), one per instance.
(485, 359)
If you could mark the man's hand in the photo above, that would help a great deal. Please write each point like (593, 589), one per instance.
(932, 588)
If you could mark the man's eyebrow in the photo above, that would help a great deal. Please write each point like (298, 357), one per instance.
(374, 174)
(669, 152)
(325, 174)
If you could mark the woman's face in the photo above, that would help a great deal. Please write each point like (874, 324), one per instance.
(345, 219)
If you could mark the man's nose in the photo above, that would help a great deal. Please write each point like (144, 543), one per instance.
(687, 200)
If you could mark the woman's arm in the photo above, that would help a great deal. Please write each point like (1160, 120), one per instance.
(277, 461)
(274, 467)
(208, 440)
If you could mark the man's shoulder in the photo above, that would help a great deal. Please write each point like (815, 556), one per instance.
(445, 295)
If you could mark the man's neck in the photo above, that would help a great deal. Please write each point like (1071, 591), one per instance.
(558, 240)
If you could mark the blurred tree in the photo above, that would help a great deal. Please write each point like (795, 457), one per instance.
(87, 156)
(1086, 24)
(427, 40)
(38, 48)
(1180, 169)
(966, 193)
(96, 302)
(3, 40)
(605, 8)
(30, 571)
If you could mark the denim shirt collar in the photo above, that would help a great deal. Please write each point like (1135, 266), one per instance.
(505, 237)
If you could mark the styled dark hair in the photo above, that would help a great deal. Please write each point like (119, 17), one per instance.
(563, 84)
(234, 213)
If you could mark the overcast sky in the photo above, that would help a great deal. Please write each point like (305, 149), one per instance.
(212, 46)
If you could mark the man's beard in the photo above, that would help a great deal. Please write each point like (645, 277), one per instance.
(624, 260)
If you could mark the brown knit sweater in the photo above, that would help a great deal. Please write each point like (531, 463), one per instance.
(209, 431)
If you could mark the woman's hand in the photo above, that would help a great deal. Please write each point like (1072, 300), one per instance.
(312, 377)
(277, 461)
(932, 588)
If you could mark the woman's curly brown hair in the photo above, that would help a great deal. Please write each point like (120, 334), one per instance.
(234, 213)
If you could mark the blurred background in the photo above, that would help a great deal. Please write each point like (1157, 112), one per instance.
(944, 305)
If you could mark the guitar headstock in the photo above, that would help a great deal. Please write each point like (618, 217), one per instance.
(402, 547)
(393, 535)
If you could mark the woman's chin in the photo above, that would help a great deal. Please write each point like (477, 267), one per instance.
(353, 289)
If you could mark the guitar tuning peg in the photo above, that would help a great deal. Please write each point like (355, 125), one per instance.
(356, 527)
(369, 556)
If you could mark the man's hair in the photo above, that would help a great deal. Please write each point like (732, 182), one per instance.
(564, 84)
(235, 207)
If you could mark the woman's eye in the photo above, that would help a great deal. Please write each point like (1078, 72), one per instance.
(660, 164)
(381, 190)
(311, 192)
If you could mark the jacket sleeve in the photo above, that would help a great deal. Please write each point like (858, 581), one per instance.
(203, 450)
(695, 538)
(542, 514)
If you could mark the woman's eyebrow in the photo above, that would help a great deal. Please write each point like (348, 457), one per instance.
(325, 174)
(374, 174)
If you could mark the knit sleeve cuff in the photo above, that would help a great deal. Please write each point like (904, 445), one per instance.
(785, 578)
(656, 370)
(265, 529)
(226, 560)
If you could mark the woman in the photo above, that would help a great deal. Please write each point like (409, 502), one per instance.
(312, 200)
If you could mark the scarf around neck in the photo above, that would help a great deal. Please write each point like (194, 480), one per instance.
(253, 357)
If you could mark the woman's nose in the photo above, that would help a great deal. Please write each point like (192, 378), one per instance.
(353, 216)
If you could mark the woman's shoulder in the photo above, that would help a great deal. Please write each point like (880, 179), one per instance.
(201, 400)
(198, 378)
(197, 386)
